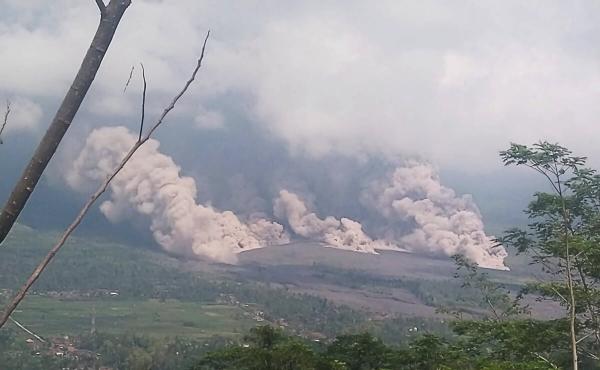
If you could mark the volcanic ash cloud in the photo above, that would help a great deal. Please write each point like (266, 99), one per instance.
(443, 222)
(342, 234)
(151, 185)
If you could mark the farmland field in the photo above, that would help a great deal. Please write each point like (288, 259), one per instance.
(52, 316)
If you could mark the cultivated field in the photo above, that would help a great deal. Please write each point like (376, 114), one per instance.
(53, 317)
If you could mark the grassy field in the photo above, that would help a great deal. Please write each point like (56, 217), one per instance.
(51, 317)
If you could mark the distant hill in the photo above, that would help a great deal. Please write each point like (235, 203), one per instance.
(391, 263)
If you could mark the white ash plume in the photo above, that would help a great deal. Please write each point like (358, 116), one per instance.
(151, 185)
(444, 222)
(343, 233)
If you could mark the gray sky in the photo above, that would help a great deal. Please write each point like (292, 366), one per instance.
(452, 82)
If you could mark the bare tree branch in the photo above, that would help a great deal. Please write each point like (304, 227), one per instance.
(6, 114)
(129, 79)
(559, 295)
(18, 324)
(584, 337)
(64, 116)
(545, 360)
(101, 6)
(82, 213)
(572, 308)
(494, 312)
(590, 354)
(143, 103)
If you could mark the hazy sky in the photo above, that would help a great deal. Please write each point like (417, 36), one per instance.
(453, 82)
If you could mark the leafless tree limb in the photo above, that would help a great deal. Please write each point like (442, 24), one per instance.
(6, 114)
(82, 213)
(18, 324)
(545, 360)
(101, 6)
(584, 337)
(25, 186)
(129, 79)
(143, 102)
(589, 354)
(494, 312)
(560, 295)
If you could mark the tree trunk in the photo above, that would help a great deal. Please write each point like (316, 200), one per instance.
(109, 20)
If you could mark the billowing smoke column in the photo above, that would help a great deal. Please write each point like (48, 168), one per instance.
(343, 233)
(443, 222)
(151, 185)
(410, 209)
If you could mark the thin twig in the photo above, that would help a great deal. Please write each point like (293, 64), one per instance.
(545, 360)
(498, 318)
(143, 102)
(82, 213)
(101, 6)
(129, 79)
(560, 295)
(584, 337)
(572, 308)
(590, 354)
(27, 330)
(6, 114)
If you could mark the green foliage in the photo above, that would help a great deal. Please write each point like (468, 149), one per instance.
(503, 338)
(563, 235)
(132, 351)
(512, 340)
(272, 350)
(265, 348)
(358, 352)
(493, 296)
(543, 156)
